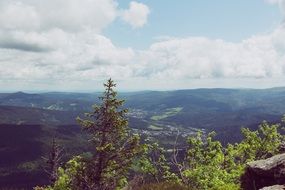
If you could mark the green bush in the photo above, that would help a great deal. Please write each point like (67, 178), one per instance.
(164, 186)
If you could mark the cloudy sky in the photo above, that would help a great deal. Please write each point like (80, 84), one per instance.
(75, 45)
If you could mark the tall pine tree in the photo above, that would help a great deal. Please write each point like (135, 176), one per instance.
(114, 146)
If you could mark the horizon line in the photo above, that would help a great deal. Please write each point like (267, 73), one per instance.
(134, 91)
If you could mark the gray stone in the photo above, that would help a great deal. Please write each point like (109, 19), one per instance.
(273, 166)
(274, 187)
(264, 173)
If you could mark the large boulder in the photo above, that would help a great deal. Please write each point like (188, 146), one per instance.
(274, 187)
(264, 173)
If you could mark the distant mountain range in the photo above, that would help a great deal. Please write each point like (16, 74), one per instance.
(210, 109)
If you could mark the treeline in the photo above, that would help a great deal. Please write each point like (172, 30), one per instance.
(122, 160)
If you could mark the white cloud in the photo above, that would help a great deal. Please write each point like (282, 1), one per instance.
(272, 1)
(58, 40)
(261, 56)
(76, 56)
(16, 15)
(33, 25)
(28, 25)
(136, 15)
(281, 4)
(26, 41)
(58, 44)
(71, 15)
(76, 59)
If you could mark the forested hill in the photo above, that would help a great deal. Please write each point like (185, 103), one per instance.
(199, 108)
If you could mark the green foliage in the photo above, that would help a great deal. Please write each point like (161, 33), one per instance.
(167, 113)
(204, 152)
(259, 144)
(152, 164)
(210, 166)
(67, 177)
(205, 163)
(229, 186)
(164, 186)
(155, 128)
(114, 148)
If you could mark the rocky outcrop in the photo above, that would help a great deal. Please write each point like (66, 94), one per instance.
(274, 187)
(265, 173)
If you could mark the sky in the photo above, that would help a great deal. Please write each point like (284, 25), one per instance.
(76, 45)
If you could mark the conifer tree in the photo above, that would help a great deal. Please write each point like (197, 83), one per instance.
(114, 145)
(53, 162)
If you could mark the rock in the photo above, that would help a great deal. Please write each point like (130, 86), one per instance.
(264, 173)
(274, 187)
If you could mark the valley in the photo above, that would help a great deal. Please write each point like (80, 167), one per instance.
(29, 122)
